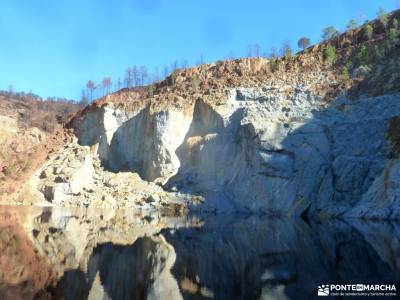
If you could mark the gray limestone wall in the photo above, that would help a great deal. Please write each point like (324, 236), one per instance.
(264, 150)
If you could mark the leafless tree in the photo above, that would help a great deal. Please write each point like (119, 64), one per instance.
(91, 86)
(128, 77)
(184, 64)
(136, 76)
(257, 50)
(165, 71)
(10, 89)
(201, 59)
(174, 66)
(84, 99)
(362, 17)
(155, 76)
(286, 50)
(143, 75)
(250, 51)
(106, 84)
(273, 53)
(97, 90)
(254, 50)
(230, 56)
(118, 84)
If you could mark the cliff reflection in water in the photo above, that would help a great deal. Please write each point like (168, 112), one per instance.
(96, 254)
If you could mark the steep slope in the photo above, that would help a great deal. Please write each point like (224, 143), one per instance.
(30, 128)
(310, 134)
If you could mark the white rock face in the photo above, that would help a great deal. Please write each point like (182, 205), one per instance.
(142, 142)
(264, 150)
(79, 175)
(75, 178)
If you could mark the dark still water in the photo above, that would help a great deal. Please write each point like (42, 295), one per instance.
(105, 254)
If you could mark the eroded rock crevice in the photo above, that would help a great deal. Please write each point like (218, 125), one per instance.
(261, 150)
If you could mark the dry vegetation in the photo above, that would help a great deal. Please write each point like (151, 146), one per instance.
(30, 128)
(23, 272)
(355, 62)
(361, 61)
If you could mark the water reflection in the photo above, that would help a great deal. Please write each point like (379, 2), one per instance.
(104, 254)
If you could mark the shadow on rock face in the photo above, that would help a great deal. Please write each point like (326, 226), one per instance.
(279, 259)
(296, 155)
(138, 271)
(280, 150)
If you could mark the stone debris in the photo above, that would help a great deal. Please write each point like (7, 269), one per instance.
(75, 177)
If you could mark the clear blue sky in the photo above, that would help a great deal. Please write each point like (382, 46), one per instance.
(52, 47)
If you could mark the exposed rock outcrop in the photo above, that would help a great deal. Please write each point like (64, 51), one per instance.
(297, 135)
(280, 150)
(75, 177)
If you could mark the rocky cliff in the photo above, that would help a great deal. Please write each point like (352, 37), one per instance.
(291, 136)
(261, 150)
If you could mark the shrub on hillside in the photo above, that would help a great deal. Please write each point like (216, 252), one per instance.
(151, 89)
(369, 31)
(330, 54)
(345, 72)
(383, 17)
(393, 35)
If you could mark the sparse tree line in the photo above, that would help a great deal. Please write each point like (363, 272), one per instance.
(139, 76)
(367, 53)
(135, 76)
(35, 111)
(27, 96)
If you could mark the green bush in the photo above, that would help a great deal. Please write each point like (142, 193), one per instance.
(345, 72)
(383, 17)
(151, 89)
(369, 31)
(330, 54)
(379, 52)
(352, 25)
(363, 55)
(172, 78)
(395, 23)
(393, 35)
(349, 65)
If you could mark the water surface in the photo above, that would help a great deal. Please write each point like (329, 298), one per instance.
(104, 254)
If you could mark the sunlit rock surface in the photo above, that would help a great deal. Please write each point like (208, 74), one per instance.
(74, 178)
(262, 150)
